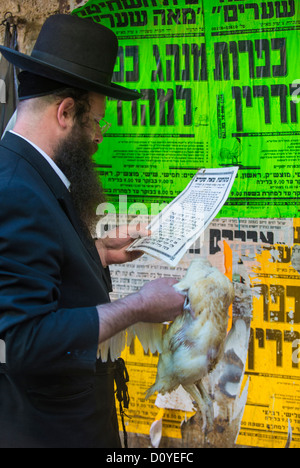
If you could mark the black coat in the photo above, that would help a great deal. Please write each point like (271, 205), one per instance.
(53, 391)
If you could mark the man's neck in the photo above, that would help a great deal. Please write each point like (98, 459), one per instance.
(48, 159)
(37, 138)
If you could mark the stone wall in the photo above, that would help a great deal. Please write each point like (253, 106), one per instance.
(29, 15)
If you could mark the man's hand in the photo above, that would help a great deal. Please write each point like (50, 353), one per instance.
(159, 301)
(113, 248)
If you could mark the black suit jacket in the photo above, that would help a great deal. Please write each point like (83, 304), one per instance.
(53, 391)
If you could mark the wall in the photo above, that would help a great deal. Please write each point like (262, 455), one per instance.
(30, 16)
(220, 88)
(199, 110)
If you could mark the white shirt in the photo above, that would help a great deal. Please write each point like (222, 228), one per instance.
(48, 159)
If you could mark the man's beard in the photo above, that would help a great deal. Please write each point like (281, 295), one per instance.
(74, 157)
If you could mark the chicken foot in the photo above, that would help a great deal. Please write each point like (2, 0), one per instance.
(204, 403)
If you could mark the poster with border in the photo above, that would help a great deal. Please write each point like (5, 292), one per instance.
(156, 145)
(254, 102)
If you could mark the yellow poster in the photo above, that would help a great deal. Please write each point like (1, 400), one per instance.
(142, 414)
(264, 255)
(274, 353)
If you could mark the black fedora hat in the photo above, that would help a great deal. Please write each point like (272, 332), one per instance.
(76, 52)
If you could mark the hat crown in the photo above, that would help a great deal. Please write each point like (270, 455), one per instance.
(97, 48)
(75, 52)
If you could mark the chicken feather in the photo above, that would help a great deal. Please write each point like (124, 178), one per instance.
(148, 334)
(194, 343)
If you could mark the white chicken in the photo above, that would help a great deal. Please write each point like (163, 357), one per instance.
(194, 343)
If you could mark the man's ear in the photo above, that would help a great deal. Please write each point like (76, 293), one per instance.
(65, 113)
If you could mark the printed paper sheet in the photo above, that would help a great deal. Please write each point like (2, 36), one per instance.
(182, 222)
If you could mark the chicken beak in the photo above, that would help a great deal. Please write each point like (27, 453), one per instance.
(187, 306)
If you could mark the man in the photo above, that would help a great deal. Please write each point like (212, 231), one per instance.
(54, 282)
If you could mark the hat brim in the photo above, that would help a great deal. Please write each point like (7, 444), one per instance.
(39, 67)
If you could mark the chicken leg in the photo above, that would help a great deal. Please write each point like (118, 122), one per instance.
(204, 403)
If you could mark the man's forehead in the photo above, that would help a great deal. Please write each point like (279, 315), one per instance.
(98, 103)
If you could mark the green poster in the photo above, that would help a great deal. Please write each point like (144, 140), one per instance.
(157, 144)
(221, 87)
(254, 82)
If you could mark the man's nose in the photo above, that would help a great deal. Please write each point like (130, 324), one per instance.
(98, 136)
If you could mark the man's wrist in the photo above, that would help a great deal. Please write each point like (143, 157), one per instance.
(119, 315)
(101, 251)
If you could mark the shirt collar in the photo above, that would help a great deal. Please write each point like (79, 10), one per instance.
(49, 160)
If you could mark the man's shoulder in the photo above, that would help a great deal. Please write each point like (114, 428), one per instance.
(9, 166)
(13, 170)
(8, 155)
(21, 185)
